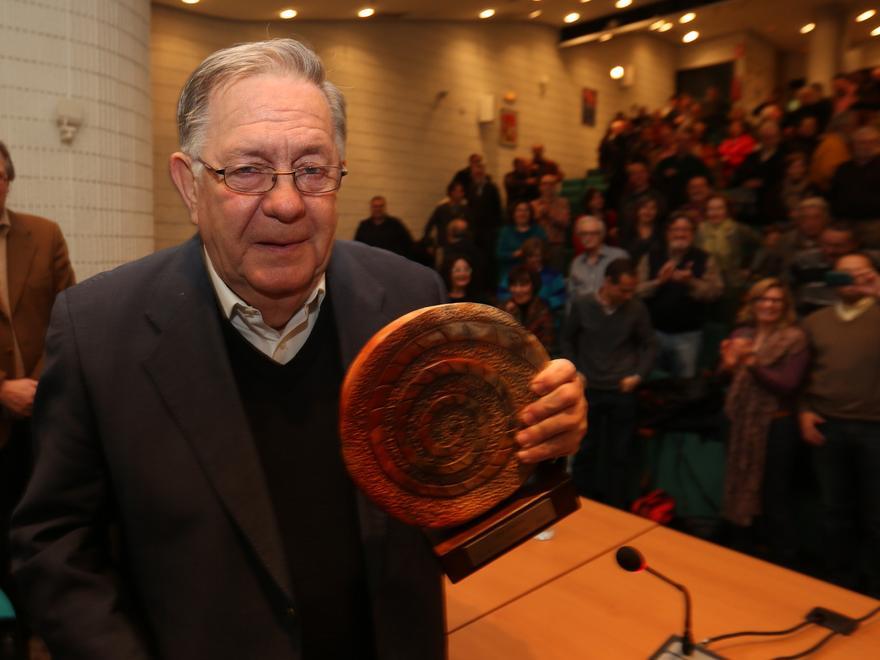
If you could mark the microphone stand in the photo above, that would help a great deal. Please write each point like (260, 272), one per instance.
(687, 641)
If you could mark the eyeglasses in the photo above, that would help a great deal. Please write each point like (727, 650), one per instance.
(257, 179)
(770, 300)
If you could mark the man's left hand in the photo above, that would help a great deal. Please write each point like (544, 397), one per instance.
(557, 421)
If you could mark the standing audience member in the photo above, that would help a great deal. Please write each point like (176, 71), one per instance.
(767, 358)
(762, 173)
(637, 190)
(673, 173)
(840, 418)
(796, 185)
(729, 242)
(454, 206)
(510, 241)
(810, 219)
(540, 166)
(588, 270)
(647, 232)
(463, 176)
(594, 204)
(553, 215)
(677, 282)
(735, 149)
(484, 206)
(698, 192)
(527, 307)
(810, 266)
(384, 231)
(519, 182)
(608, 335)
(34, 268)
(855, 187)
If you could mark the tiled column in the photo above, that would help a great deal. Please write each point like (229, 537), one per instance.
(99, 188)
(826, 40)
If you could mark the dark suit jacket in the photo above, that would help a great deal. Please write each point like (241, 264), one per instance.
(138, 418)
(37, 267)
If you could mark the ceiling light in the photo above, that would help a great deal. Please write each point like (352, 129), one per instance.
(583, 2)
(809, 27)
(287, 13)
(687, 18)
(572, 17)
(366, 12)
(616, 72)
(623, 4)
(666, 27)
(190, 2)
(487, 13)
(605, 37)
(875, 32)
(865, 15)
(693, 35)
(656, 25)
(535, 13)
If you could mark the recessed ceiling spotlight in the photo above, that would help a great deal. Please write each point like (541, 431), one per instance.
(535, 13)
(366, 12)
(687, 18)
(875, 32)
(572, 17)
(666, 27)
(605, 37)
(693, 35)
(865, 15)
(656, 25)
(583, 2)
(487, 13)
(190, 2)
(617, 72)
(623, 4)
(809, 27)
(287, 13)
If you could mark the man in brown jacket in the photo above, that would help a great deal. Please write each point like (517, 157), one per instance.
(34, 267)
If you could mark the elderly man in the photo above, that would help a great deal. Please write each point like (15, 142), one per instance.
(34, 268)
(192, 396)
(676, 283)
(840, 417)
(588, 268)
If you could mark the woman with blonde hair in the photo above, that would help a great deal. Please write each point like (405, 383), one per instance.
(767, 358)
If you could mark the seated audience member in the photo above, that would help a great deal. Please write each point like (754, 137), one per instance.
(608, 335)
(521, 227)
(647, 232)
(463, 176)
(460, 242)
(638, 188)
(455, 206)
(769, 260)
(553, 215)
(527, 307)
(673, 173)
(698, 193)
(808, 268)
(796, 185)
(767, 358)
(540, 166)
(552, 284)
(735, 148)
(762, 172)
(855, 188)
(840, 418)
(594, 204)
(677, 281)
(384, 231)
(458, 273)
(729, 242)
(519, 182)
(588, 269)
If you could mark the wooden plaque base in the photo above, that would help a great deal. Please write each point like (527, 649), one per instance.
(547, 497)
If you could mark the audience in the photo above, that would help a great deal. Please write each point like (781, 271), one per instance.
(384, 231)
(461, 285)
(855, 187)
(588, 269)
(454, 206)
(520, 228)
(553, 215)
(519, 182)
(527, 307)
(608, 335)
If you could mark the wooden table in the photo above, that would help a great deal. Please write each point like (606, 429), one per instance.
(599, 611)
(581, 537)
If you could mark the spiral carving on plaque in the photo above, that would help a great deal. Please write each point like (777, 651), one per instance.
(429, 412)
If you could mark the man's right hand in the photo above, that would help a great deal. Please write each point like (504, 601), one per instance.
(809, 420)
(17, 395)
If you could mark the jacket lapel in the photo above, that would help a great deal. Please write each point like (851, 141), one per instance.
(210, 413)
(20, 251)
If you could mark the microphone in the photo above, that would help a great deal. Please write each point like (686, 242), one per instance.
(630, 559)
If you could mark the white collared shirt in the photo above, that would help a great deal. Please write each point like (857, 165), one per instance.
(279, 345)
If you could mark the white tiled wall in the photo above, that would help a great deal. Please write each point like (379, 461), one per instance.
(405, 139)
(100, 188)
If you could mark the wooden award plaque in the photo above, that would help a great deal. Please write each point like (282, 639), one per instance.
(427, 420)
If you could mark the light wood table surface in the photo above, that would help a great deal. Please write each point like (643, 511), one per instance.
(581, 537)
(598, 611)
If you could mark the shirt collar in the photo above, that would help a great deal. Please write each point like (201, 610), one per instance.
(851, 312)
(230, 302)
